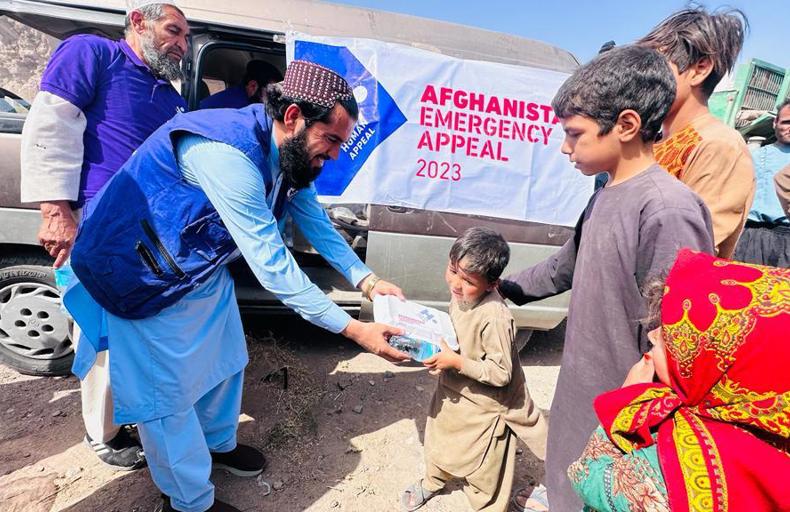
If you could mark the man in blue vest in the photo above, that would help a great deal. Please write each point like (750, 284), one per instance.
(99, 100)
(151, 255)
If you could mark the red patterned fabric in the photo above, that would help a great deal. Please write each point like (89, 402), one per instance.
(310, 82)
(724, 422)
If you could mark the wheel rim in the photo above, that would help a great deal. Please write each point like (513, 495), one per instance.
(32, 323)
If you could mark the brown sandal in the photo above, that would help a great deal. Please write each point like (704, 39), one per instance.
(416, 490)
(538, 495)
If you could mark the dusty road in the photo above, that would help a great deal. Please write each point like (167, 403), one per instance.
(345, 435)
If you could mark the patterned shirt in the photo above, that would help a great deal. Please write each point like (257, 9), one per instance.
(608, 480)
(712, 160)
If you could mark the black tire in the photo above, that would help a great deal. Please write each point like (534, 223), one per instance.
(35, 334)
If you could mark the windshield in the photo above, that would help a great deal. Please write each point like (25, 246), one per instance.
(10, 102)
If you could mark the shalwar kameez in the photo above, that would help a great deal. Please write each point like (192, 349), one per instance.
(178, 373)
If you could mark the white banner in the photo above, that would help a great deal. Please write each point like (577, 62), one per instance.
(446, 134)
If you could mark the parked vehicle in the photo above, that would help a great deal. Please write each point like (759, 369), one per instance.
(10, 102)
(406, 246)
(750, 102)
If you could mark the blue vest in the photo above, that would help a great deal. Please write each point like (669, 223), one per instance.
(150, 237)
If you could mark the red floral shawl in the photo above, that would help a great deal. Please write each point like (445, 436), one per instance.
(724, 424)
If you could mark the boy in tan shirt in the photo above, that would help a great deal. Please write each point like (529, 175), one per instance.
(707, 155)
(481, 403)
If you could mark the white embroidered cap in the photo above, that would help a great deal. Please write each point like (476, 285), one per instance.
(132, 5)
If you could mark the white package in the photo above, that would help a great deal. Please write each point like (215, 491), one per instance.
(418, 321)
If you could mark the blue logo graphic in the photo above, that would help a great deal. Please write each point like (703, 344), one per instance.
(427, 316)
(379, 116)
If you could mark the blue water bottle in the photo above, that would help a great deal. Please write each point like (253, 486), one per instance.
(419, 350)
(63, 277)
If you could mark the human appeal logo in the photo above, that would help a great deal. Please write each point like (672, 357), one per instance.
(379, 115)
(426, 316)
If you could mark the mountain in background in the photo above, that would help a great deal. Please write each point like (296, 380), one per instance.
(23, 55)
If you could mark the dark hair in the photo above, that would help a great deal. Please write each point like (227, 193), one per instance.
(486, 252)
(692, 34)
(626, 77)
(785, 104)
(653, 292)
(277, 104)
(262, 72)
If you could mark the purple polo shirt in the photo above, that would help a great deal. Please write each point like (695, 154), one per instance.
(232, 97)
(123, 102)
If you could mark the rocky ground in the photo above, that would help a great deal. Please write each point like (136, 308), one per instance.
(23, 55)
(344, 435)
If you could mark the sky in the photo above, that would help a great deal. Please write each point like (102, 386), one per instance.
(582, 26)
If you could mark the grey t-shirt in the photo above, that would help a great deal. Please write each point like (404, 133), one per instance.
(628, 233)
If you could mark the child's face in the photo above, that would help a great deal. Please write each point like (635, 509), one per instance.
(659, 355)
(466, 287)
(592, 153)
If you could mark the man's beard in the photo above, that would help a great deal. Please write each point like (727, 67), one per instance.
(162, 65)
(295, 162)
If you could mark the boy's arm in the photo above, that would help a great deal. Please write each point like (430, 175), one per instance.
(496, 366)
(722, 174)
(552, 276)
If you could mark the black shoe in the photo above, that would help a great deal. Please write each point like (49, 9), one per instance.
(122, 452)
(218, 506)
(241, 461)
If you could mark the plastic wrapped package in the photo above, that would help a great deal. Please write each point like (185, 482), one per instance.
(424, 327)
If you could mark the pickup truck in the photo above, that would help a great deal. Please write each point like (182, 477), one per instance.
(404, 245)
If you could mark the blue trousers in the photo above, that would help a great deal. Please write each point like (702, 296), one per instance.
(178, 447)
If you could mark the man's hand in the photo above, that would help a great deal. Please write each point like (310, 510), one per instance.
(444, 360)
(58, 229)
(381, 287)
(642, 372)
(373, 338)
(386, 288)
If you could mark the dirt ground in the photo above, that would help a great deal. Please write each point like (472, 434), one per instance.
(345, 435)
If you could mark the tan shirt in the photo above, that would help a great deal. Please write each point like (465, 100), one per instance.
(782, 182)
(488, 394)
(713, 160)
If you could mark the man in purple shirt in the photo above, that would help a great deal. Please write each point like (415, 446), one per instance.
(99, 100)
(251, 90)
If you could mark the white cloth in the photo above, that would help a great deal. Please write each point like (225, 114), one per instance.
(96, 396)
(95, 391)
(52, 150)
